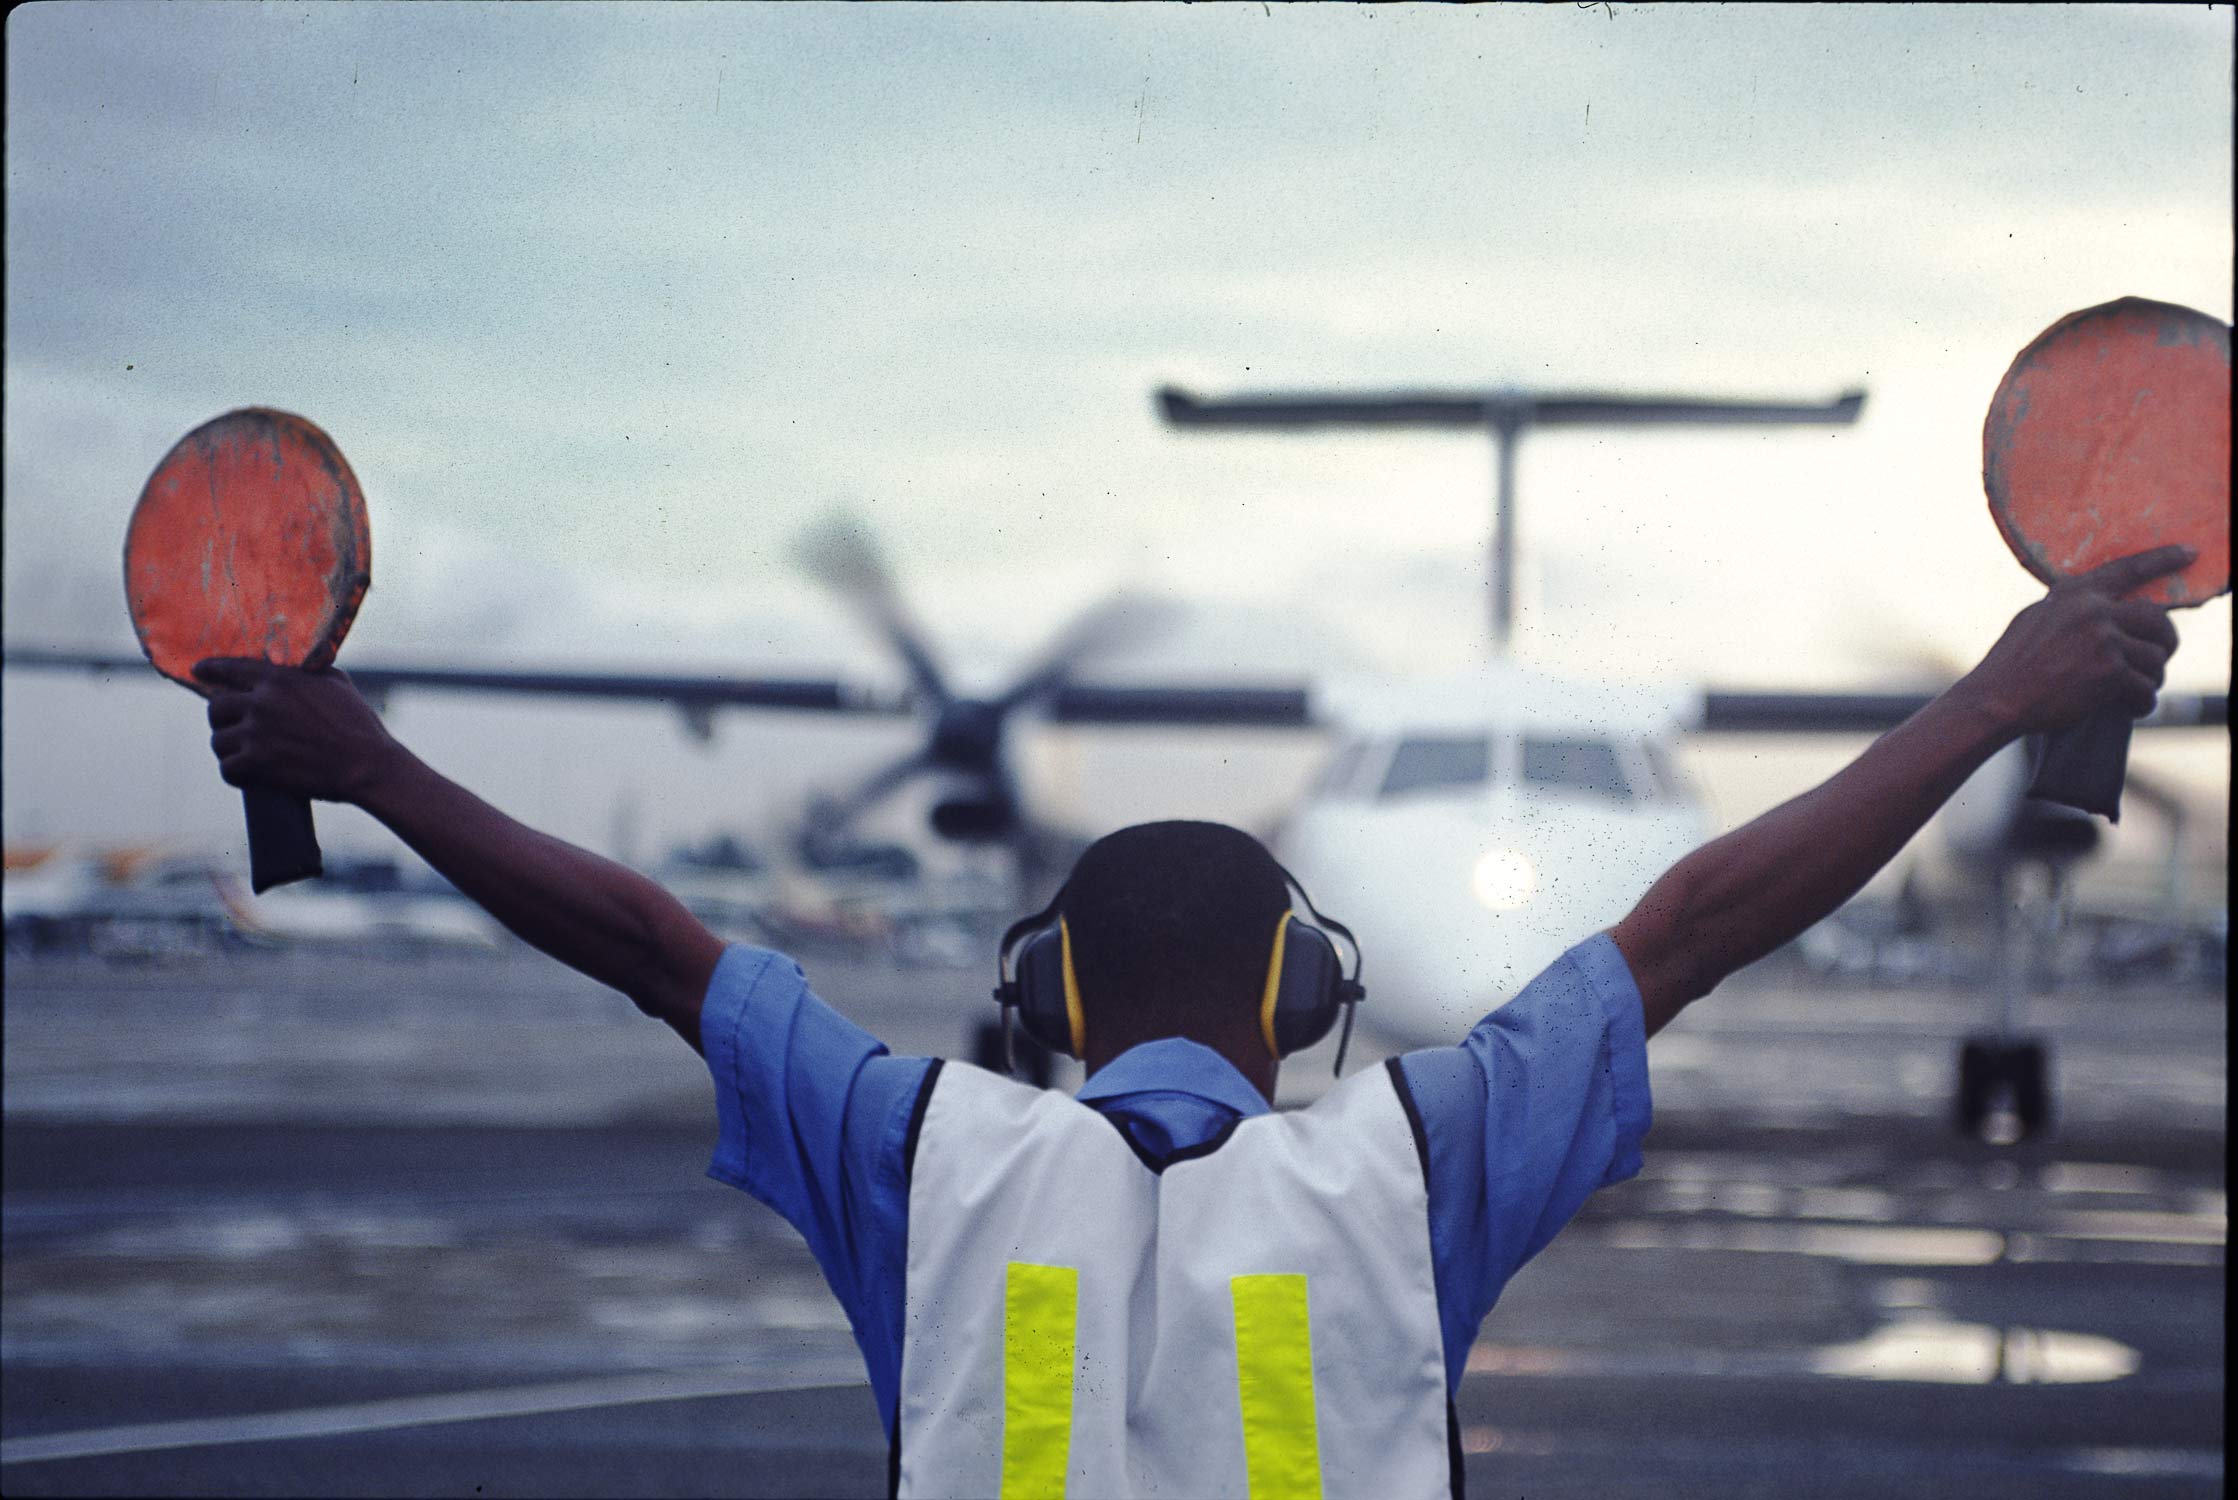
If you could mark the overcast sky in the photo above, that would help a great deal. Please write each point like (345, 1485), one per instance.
(604, 303)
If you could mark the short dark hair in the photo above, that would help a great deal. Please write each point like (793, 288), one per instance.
(1172, 928)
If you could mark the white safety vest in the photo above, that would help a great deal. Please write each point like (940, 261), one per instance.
(1259, 1320)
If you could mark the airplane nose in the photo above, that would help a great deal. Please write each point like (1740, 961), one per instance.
(1504, 880)
(1433, 974)
(1445, 954)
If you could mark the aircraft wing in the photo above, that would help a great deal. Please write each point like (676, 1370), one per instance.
(693, 694)
(1253, 705)
(1256, 706)
(1752, 712)
(690, 693)
(1261, 705)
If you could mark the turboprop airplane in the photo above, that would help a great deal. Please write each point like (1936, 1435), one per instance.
(1556, 812)
(1468, 830)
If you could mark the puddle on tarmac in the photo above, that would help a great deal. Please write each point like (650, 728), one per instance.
(1919, 1345)
(1507, 1440)
(1863, 1244)
(2179, 1228)
(1930, 1348)
(2125, 1463)
(2194, 1232)
(1918, 1342)
(2101, 1177)
(1843, 1203)
(2185, 1463)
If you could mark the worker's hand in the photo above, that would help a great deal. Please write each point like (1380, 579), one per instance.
(310, 733)
(2081, 648)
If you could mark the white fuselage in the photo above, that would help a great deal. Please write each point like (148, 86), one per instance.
(1470, 840)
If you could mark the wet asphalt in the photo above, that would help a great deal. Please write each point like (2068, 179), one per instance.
(292, 1223)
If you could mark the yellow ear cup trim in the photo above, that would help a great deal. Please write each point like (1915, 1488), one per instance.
(1274, 985)
(1073, 1016)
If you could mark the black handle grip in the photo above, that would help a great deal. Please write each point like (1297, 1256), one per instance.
(283, 846)
(2085, 764)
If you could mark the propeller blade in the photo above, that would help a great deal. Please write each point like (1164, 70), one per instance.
(838, 812)
(1118, 622)
(841, 554)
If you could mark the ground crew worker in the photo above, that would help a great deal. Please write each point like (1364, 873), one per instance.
(1163, 1287)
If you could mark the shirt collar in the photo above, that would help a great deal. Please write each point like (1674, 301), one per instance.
(1175, 1065)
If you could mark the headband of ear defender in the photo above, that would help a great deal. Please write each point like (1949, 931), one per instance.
(1306, 985)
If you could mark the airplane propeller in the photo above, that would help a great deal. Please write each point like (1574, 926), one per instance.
(964, 740)
(2026, 826)
(841, 554)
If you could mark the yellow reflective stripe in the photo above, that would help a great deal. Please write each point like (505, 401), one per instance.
(1040, 1308)
(1076, 1021)
(1274, 1377)
(1273, 990)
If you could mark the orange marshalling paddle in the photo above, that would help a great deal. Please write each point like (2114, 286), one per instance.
(250, 539)
(2110, 435)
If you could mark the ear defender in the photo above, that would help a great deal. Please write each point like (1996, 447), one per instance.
(1305, 990)
(1307, 983)
(1040, 986)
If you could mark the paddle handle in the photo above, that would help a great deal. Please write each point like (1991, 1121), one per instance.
(283, 846)
(2085, 764)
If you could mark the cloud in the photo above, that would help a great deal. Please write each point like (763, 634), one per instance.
(605, 303)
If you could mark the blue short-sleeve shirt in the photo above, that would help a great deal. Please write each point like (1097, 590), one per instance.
(1543, 1102)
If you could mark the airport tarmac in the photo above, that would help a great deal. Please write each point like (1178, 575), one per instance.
(278, 1223)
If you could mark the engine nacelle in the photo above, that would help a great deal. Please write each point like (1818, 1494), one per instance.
(979, 818)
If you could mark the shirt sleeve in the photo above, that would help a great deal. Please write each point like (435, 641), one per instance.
(1545, 1102)
(812, 1118)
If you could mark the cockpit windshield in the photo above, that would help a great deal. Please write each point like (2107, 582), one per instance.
(1577, 765)
(1433, 763)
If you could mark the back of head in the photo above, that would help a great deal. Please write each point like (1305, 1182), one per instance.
(1172, 926)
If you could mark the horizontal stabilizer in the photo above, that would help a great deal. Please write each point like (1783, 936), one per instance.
(1655, 411)
(1510, 409)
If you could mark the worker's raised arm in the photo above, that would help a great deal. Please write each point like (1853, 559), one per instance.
(312, 733)
(2079, 649)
